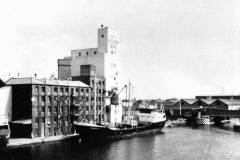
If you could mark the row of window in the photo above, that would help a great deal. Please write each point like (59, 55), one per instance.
(87, 53)
(49, 109)
(94, 52)
(48, 121)
(56, 89)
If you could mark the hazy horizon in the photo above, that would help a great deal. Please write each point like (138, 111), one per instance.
(176, 48)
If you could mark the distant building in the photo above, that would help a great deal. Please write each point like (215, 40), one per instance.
(226, 104)
(218, 97)
(174, 106)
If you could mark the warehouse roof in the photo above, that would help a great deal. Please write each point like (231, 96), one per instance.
(170, 101)
(230, 102)
(54, 82)
(208, 101)
(189, 101)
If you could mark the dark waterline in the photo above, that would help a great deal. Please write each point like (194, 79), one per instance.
(173, 143)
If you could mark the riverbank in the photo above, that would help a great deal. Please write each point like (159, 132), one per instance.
(15, 142)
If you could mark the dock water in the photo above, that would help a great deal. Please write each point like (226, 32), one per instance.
(174, 143)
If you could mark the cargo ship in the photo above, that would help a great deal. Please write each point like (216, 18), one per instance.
(148, 120)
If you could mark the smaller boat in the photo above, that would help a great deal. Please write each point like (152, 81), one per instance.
(204, 120)
(4, 132)
(179, 122)
(198, 117)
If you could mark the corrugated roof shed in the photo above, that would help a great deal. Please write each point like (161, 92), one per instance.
(230, 102)
(171, 101)
(208, 101)
(189, 101)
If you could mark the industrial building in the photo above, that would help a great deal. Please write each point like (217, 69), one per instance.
(43, 108)
(104, 57)
(100, 66)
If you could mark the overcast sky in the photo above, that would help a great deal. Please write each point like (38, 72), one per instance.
(168, 48)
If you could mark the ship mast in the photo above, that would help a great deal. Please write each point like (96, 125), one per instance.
(129, 97)
(180, 108)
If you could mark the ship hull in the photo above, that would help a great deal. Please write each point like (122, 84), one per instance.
(3, 141)
(103, 133)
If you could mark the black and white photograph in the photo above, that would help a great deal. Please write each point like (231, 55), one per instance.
(120, 80)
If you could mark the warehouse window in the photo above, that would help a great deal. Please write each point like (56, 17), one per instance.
(43, 89)
(36, 90)
(95, 52)
(49, 99)
(43, 120)
(36, 119)
(55, 109)
(43, 99)
(72, 91)
(49, 109)
(86, 53)
(102, 36)
(82, 91)
(79, 53)
(55, 90)
(55, 119)
(43, 109)
(66, 90)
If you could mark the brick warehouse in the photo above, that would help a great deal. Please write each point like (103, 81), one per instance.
(42, 108)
